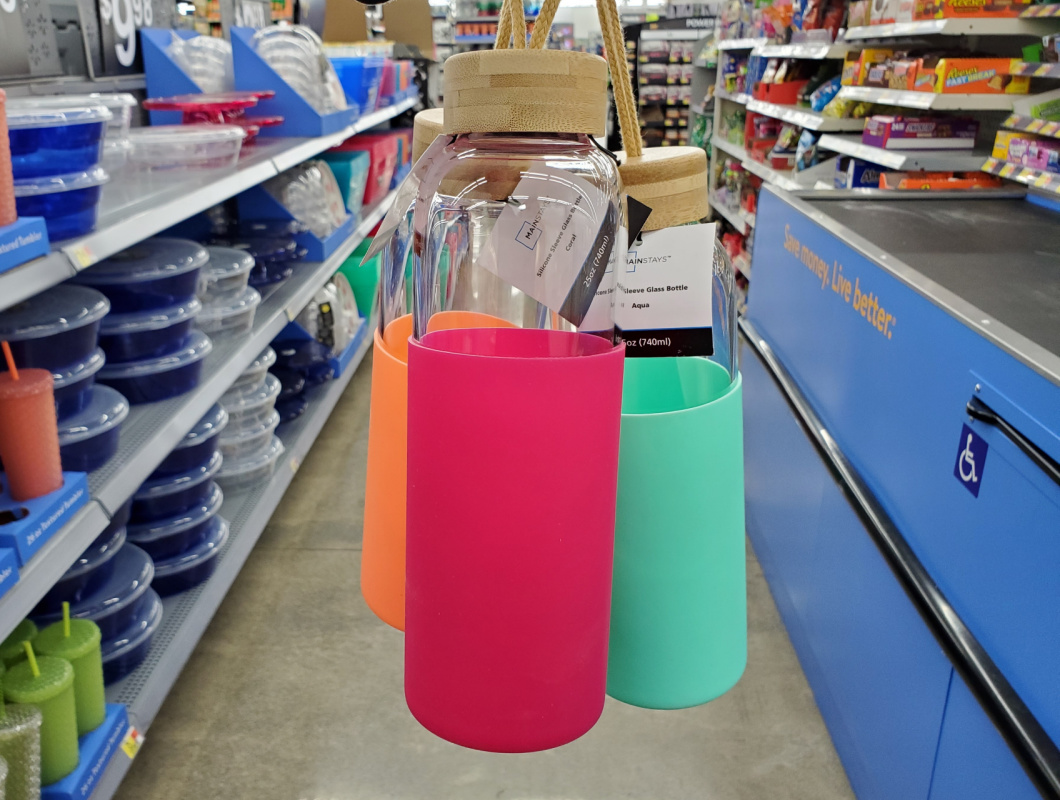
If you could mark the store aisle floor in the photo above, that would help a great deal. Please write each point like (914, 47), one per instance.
(295, 691)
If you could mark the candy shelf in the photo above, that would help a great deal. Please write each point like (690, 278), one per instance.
(187, 615)
(1042, 127)
(807, 50)
(1036, 179)
(152, 430)
(937, 160)
(789, 179)
(804, 117)
(984, 26)
(1036, 70)
(137, 205)
(930, 100)
(734, 150)
(739, 219)
(734, 97)
(741, 44)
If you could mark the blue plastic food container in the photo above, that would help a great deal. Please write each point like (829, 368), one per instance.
(156, 273)
(152, 379)
(270, 273)
(88, 573)
(292, 408)
(318, 374)
(116, 602)
(54, 329)
(170, 495)
(69, 203)
(292, 383)
(172, 536)
(89, 438)
(350, 72)
(73, 384)
(147, 334)
(197, 447)
(262, 247)
(55, 135)
(250, 409)
(301, 355)
(180, 573)
(126, 651)
(253, 377)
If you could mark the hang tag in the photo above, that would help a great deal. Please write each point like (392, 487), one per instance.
(553, 241)
(663, 295)
(601, 315)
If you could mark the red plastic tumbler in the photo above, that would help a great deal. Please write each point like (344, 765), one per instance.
(512, 471)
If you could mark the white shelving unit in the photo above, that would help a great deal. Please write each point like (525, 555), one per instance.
(734, 150)
(930, 100)
(804, 117)
(1036, 179)
(986, 26)
(733, 97)
(806, 50)
(940, 160)
(785, 179)
(740, 220)
(741, 44)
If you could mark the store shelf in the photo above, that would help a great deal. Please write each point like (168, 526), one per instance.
(186, 616)
(734, 150)
(983, 26)
(743, 265)
(1042, 127)
(942, 160)
(137, 205)
(1034, 178)
(788, 179)
(807, 50)
(1035, 70)
(489, 18)
(152, 430)
(930, 100)
(733, 97)
(1041, 11)
(69, 84)
(739, 219)
(804, 117)
(741, 44)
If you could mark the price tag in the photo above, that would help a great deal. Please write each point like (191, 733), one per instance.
(119, 21)
(132, 742)
(81, 255)
(1036, 125)
(1050, 129)
(295, 463)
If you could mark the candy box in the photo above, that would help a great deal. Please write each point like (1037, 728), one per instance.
(1042, 154)
(853, 173)
(902, 74)
(938, 180)
(1002, 142)
(945, 9)
(920, 133)
(969, 76)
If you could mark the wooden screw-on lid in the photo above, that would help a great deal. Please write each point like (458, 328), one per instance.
(672, 180)
(525, 91)
(425, 129)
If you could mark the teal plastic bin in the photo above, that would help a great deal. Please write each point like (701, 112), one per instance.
(679, 598)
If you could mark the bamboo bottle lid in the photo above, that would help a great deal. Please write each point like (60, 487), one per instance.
(671, 180)
(426, 127)
(525, 91)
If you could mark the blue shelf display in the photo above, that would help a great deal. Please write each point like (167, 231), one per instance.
(97, 749)
(164, 76)
(36, 520)
(256, 203)
(23, 240)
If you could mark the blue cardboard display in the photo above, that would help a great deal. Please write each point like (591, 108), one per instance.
(8, 569)
(45, 516)
(299, 118)
(23, 240)
(256, 203)
(295, 332)
(164, 76)
(97, 747)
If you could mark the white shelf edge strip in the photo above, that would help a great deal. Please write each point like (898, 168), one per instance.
(926, 100)
(734, 150)
(903, 159)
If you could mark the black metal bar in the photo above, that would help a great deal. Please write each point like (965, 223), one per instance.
(1029, 742)
(979, 410)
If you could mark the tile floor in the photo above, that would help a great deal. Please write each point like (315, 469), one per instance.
(294, 692)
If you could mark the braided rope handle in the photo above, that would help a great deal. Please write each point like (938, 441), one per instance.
(511, 30)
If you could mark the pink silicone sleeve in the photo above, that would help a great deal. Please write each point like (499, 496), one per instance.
(512, 471)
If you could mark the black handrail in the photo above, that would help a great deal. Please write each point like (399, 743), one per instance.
(979, 410)
(1029, 742)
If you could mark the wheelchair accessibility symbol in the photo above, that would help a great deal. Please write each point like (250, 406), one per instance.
(971, 459)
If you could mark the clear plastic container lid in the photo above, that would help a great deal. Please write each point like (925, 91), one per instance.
(114, 100)
(62, 308)
(106, 410)
(97, 554)
(265, 360)
(197, 348)
(80, 371)
(243, 434)
(159, 529)
(236, 467)
(265, 228)
(147, 622)
(211, 424)
(131, 577)
(151, 320)
(182, 137)
(249, 401)
(53, 184)
(209, 548)
(245, 301)
(227, 262)
(52, 112)
(171, 484)
(260, 248)
(149, 260)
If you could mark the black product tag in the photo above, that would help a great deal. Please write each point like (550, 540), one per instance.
(581, 295)
(637, 214)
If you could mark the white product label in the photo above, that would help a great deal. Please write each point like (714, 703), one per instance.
(663, 296)
(553, 241)
(601, 315)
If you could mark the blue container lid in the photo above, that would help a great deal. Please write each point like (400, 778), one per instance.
(62, 308)
(170, 484)
(282, 228)
(301, 355)
(107, 409)
(195, 349)
(262, 248)
(142, 629)
(97, 554)
(150, 320)
(53, 112)
(211, 424)
(80, 371)
(53, 184)
(132, 575)
(149, 260)
(170, 526)
(227, 262)
(209, 548)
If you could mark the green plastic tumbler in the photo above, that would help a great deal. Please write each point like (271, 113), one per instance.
(20, 748)
(77, 641)
(11, 649)
(48, 683)
(679, 596)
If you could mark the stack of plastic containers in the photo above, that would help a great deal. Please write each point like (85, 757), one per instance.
(153, 350)
(56, 148)
(228, 303)
(271, 243)
(382, 149)
(59, 330)
(174, 515)
(250, 447)
(300, 365)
